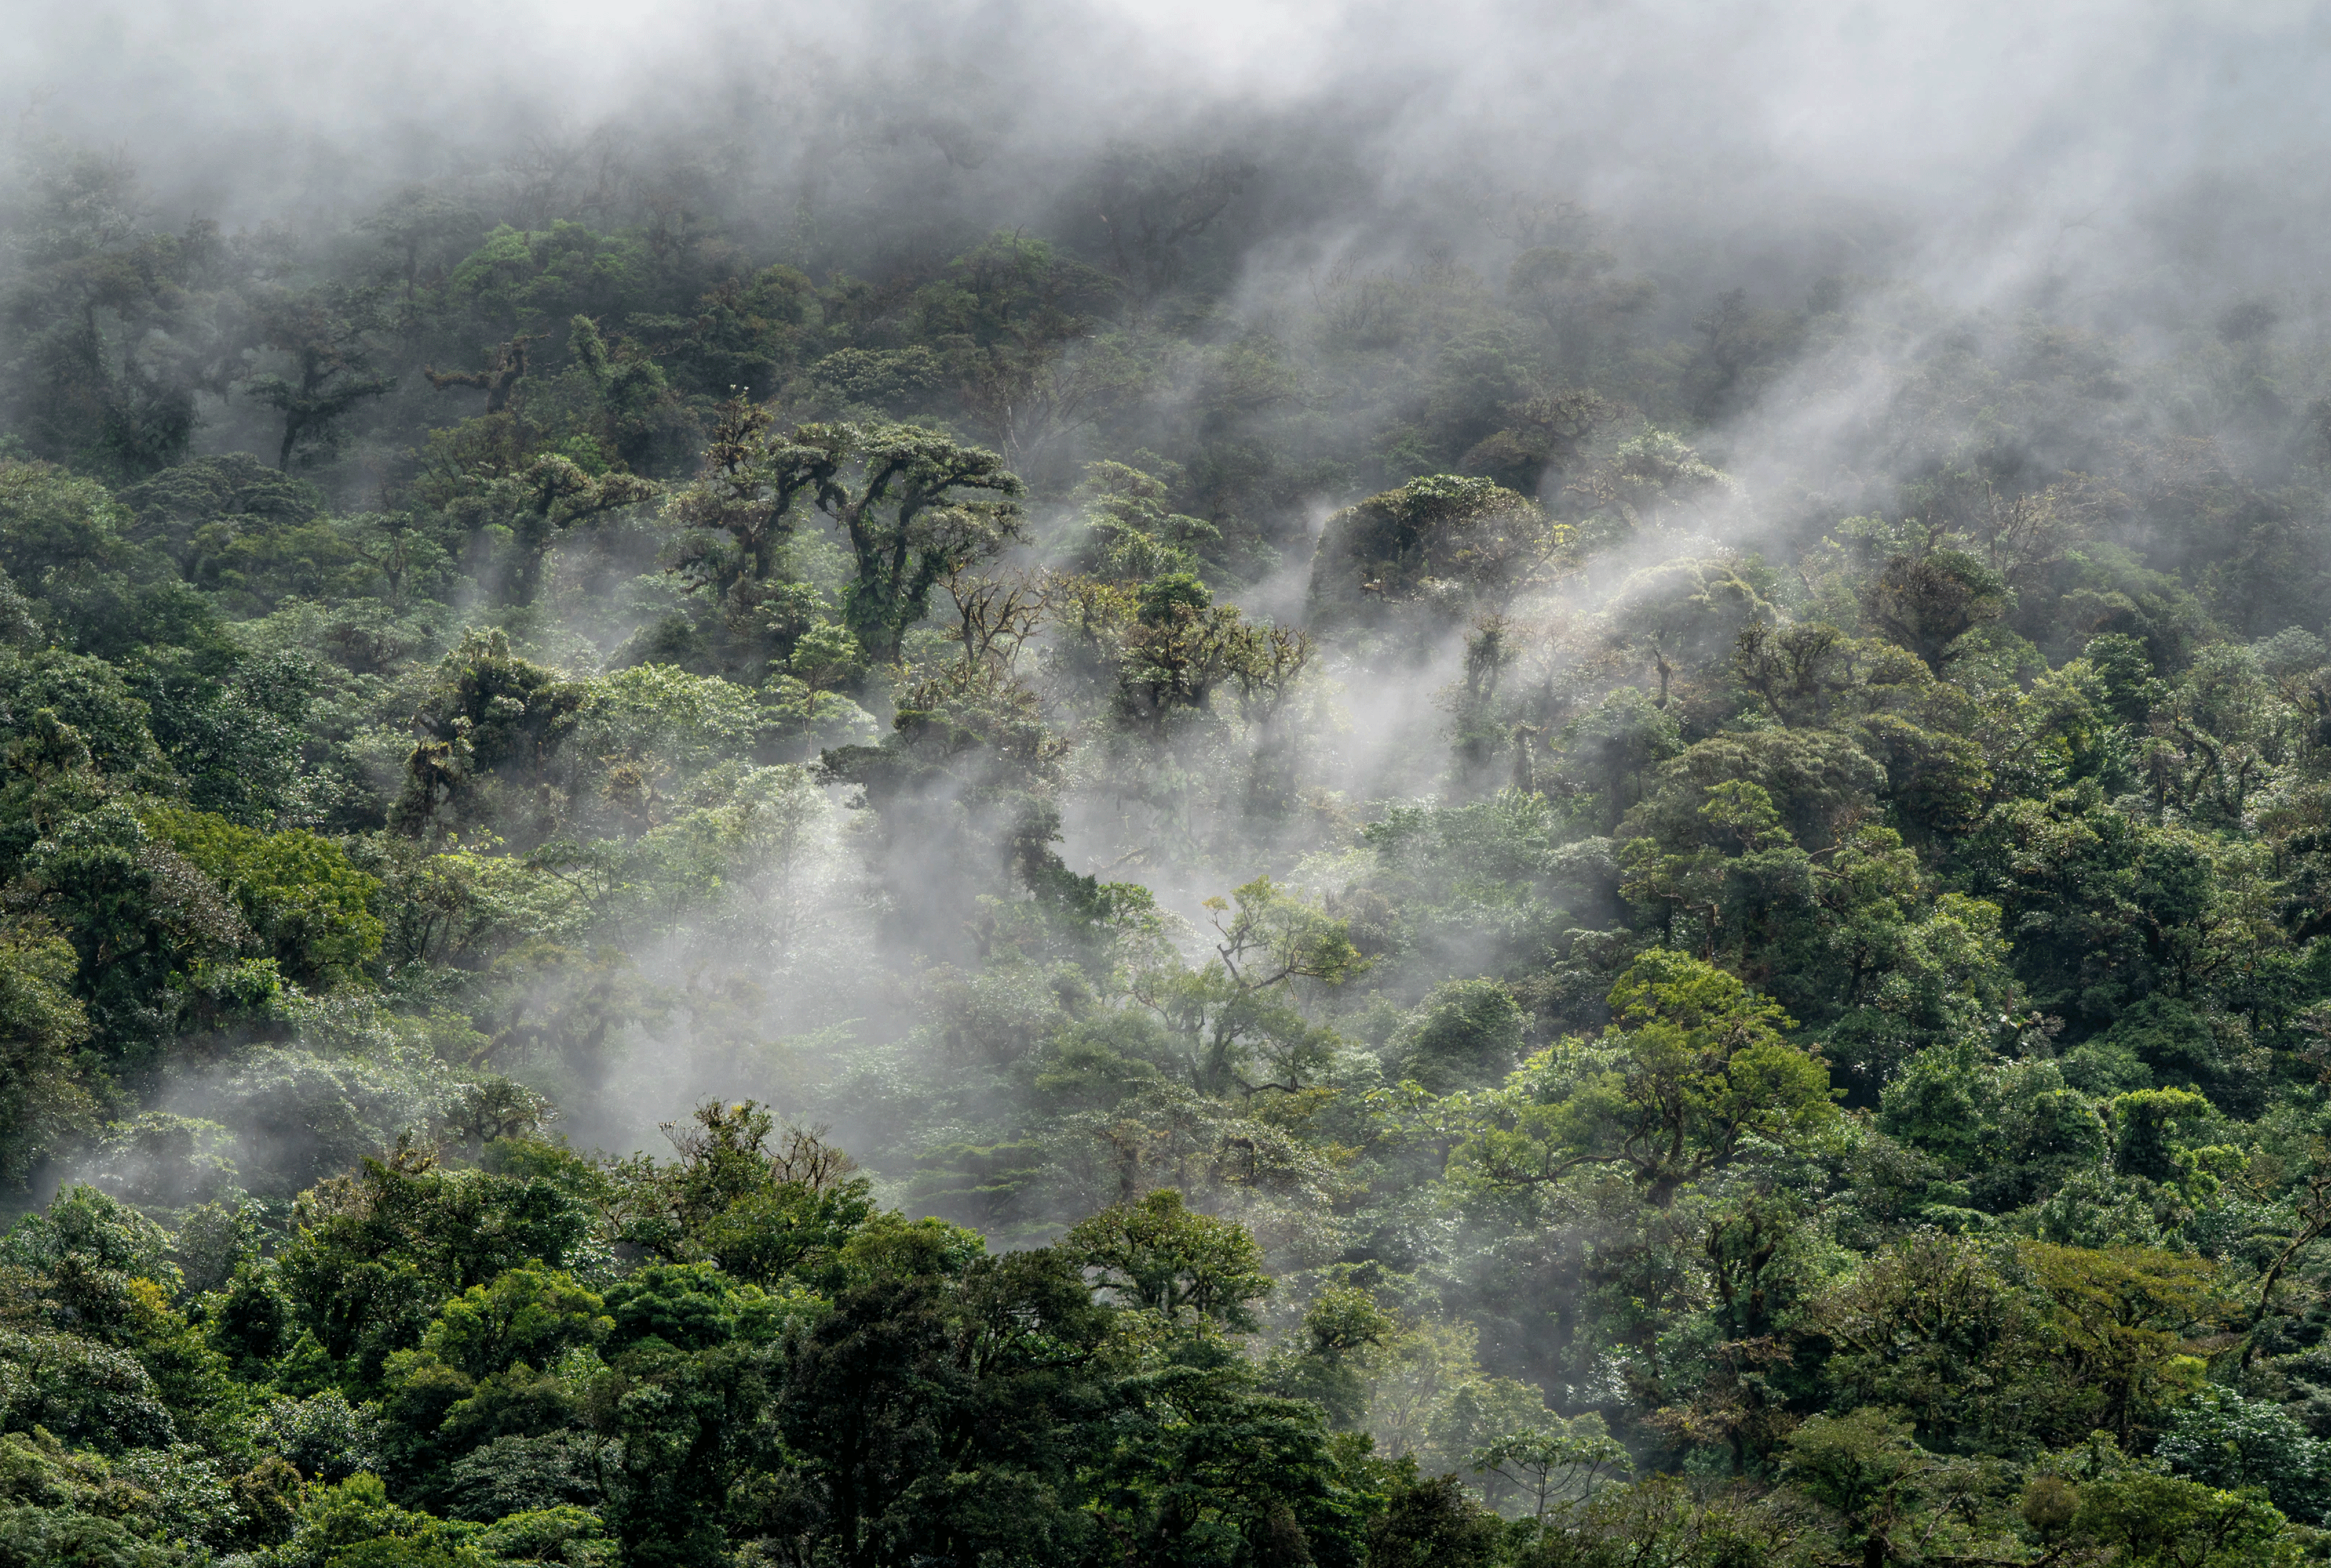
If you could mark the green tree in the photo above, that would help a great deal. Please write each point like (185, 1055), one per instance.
(1561, 1462)
(1237, 1012)
(326, 335)
(42, 1098)
(2151, 1520)
(2121, 1313)
(1130, 534)
(1467, 1034)
(63, 543)
(1156, 1255)
(2221, 1440)
(1928, 600)
(914, 506)
(379, 1252)
(1471, 532)
(1695, 1070)
(1864, 1466)
(490, 725)
(114, 328)
(761, 1202)
(747, 490)
(298, 892)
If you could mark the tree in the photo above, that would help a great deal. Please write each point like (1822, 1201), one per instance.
(554, 492)
(1652, 478)
(747, 490)
(1236, 1011)
(41, 1097)
(501, 472)
(1191, 1269)
(62, 541)
(1560, 1462)
(1928, 600)
(233, 733)
(2221, 1440)
(414, 223)
(1467, 1034)
(760, 1210)
(1330, 1362)
(326, 335)
(915, 507)
(1695, 1069)
(1152, 205)
(491, 718)
(1473, 533)
(1880, 1485)
(1431, 1522)
(1544, 436)
(1789, 667)
(1738, 345)
(867, 1397)
(379, 1252)
(2104, 907)
(505, 368)
(1133, 534)
(1933, 1329)
(1015, 321)
(2122, 1313)
(175, 508)
(298, 891)
(137, 912)
(2152, 1521)
(1202, 1464)
(1182, 648)
(475, 1369)
(113, 329)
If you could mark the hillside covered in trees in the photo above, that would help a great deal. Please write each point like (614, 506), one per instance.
(1007, 860)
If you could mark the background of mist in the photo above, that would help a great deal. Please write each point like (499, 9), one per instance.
(2122, 151)
(2132, 167)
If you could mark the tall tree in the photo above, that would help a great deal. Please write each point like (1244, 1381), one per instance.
(916, 507)
(324, 335)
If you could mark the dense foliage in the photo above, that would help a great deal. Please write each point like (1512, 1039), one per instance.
(1412, 971)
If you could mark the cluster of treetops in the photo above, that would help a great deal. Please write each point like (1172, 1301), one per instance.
(1726, 1029)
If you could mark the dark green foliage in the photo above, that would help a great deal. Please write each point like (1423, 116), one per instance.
(297, 891)
(233, 736)
(384, 1249)
(254, 1322)
(1429, 537)
(90, 697)
(62, 1539)
(916, 513)
(489, 727)
(40, 1024)
(64, 543)
(1437, 980)
(1434, 1521)
(2095, 898)
(1467, 1034)
(198, 508)
(1927, 601)
(1161, 1257)
(2227, 1441)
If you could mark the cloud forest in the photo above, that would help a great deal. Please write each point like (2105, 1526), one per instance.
(1239, 788)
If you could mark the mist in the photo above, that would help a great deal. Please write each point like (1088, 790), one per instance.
(1468, 735)
(1981, 150)
(2131, 172)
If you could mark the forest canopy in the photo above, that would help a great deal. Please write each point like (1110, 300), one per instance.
(858, 838)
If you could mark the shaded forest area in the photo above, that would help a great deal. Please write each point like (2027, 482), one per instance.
(688, 879)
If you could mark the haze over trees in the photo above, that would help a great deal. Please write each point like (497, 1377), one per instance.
(966, 811)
